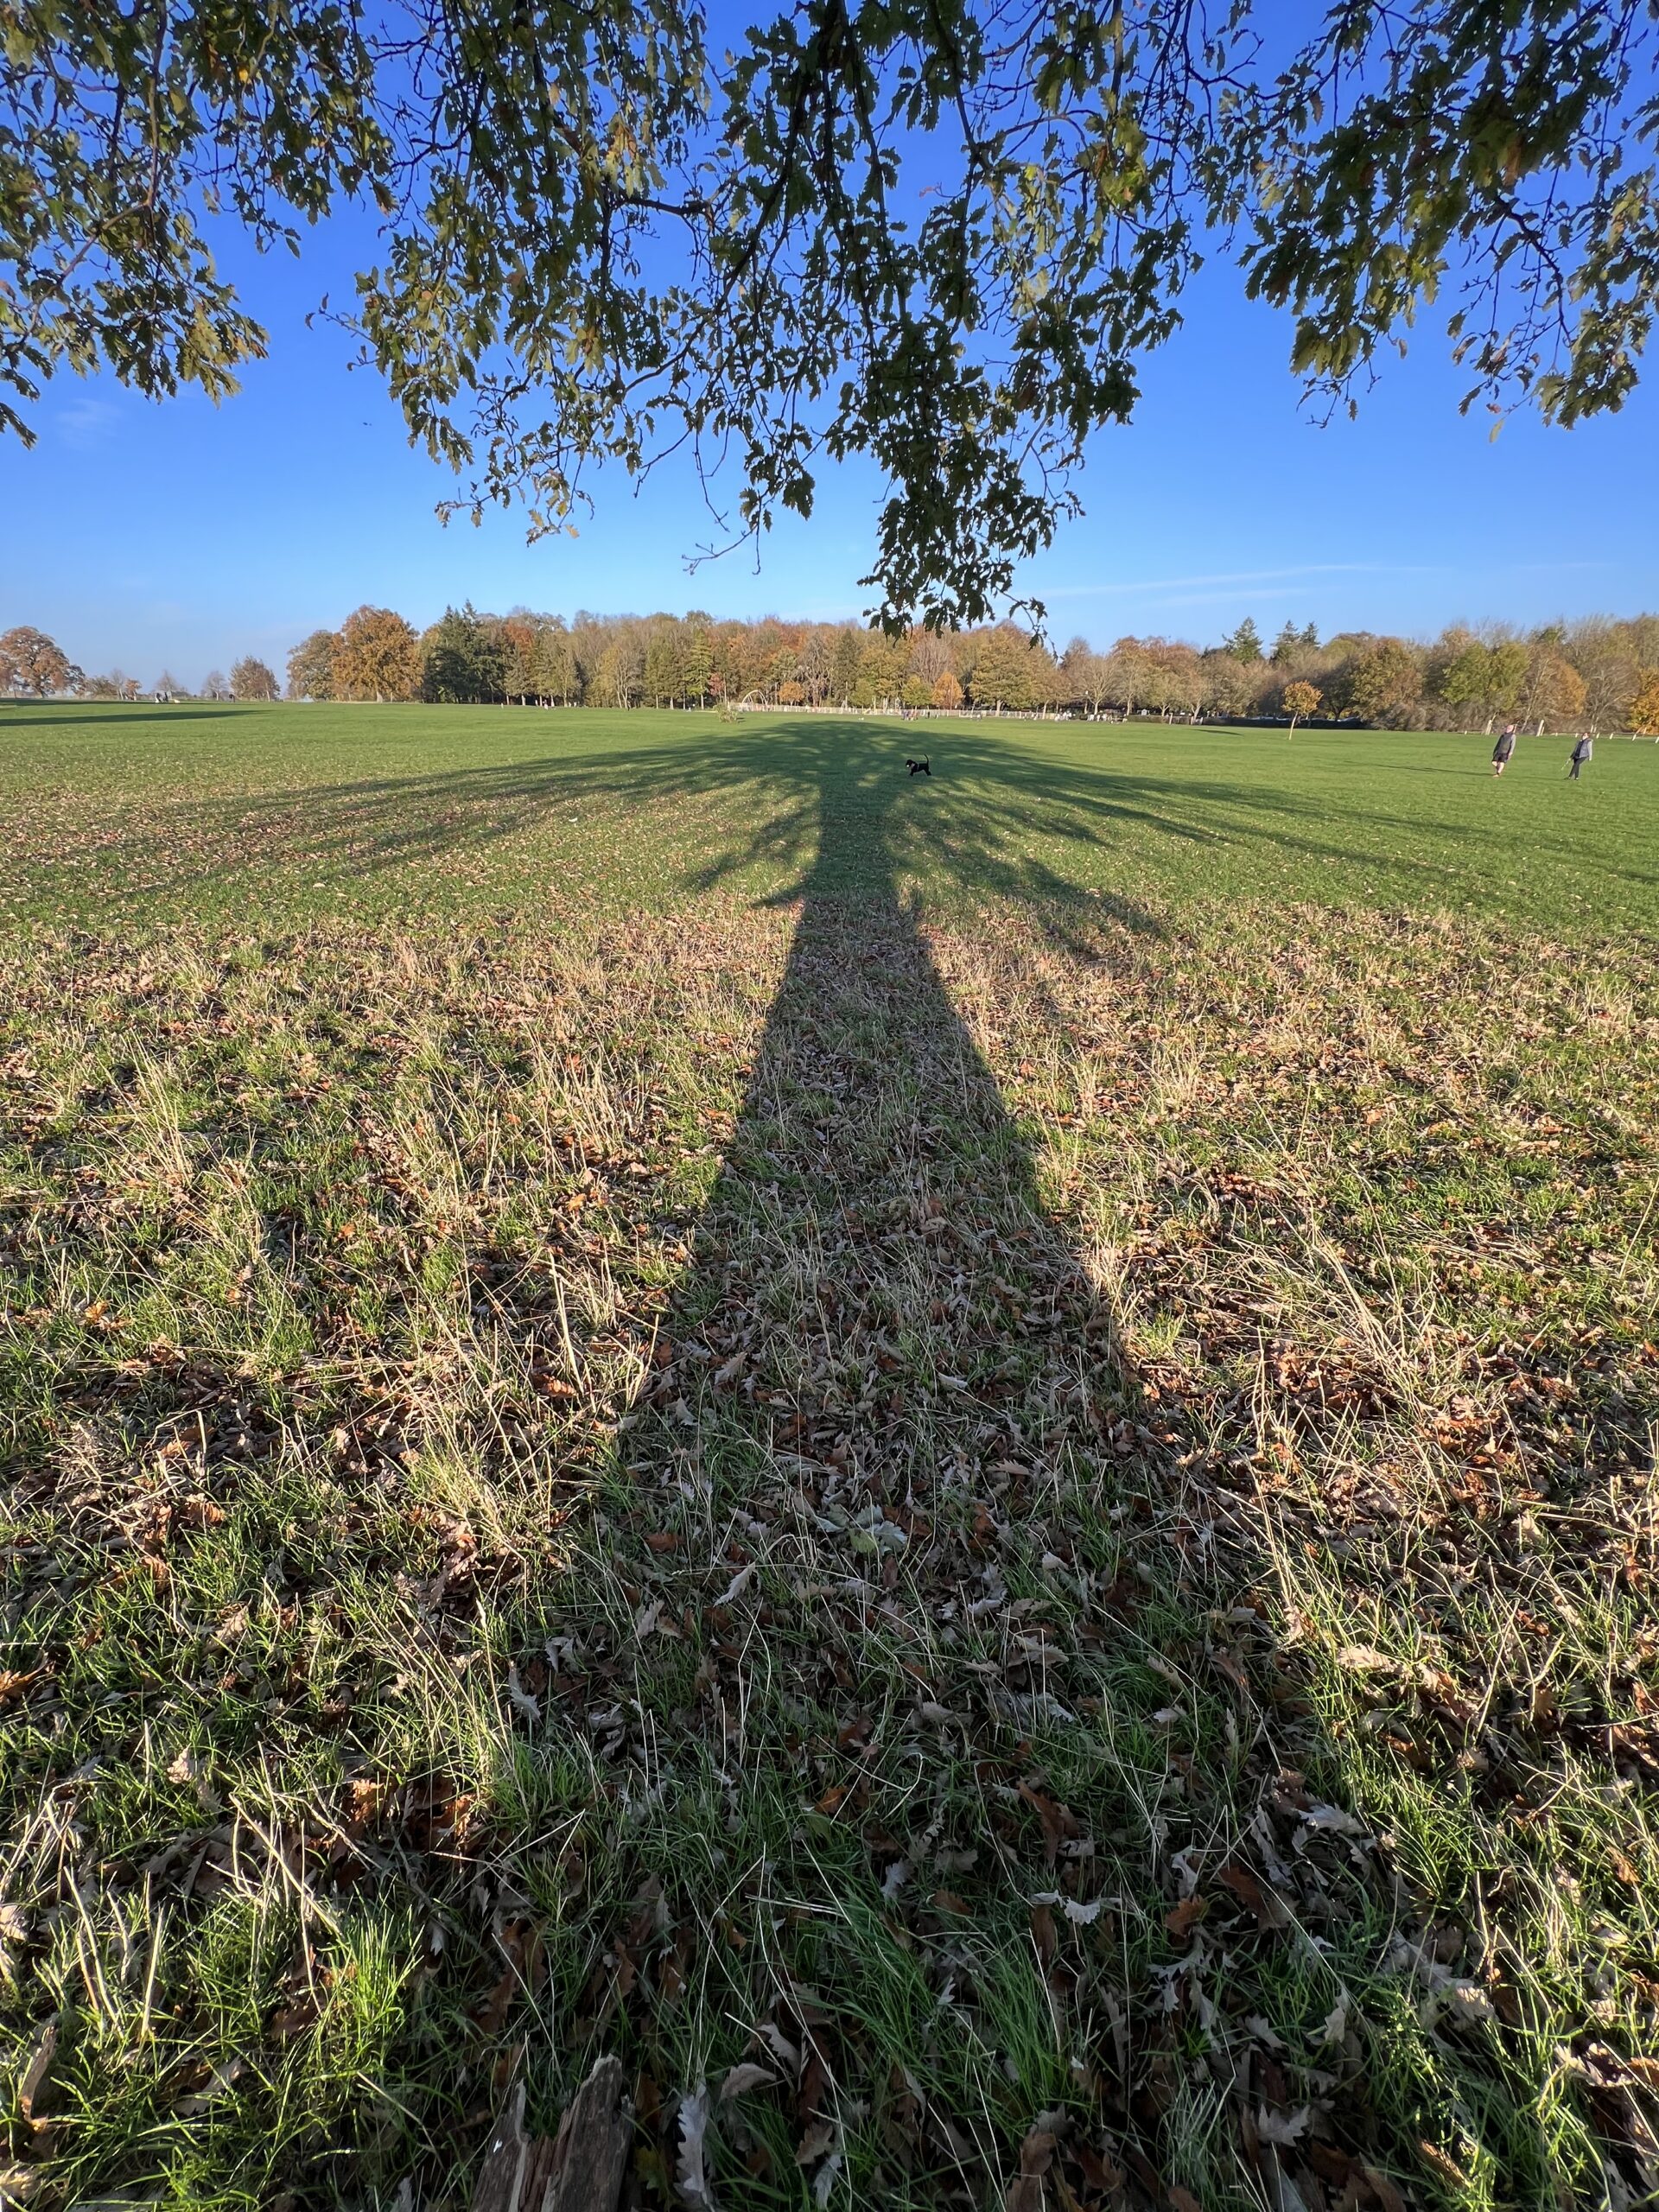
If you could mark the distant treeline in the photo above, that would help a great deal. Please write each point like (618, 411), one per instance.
(1597, 674)
(1600, 674)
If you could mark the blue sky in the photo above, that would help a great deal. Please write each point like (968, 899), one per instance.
(183, 535)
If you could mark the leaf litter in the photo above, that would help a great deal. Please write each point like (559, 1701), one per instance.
(586, 1500)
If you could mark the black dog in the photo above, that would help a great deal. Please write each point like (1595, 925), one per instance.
(917, 767)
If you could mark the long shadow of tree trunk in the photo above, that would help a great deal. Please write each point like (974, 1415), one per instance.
(942, 1772)
(872, 1715)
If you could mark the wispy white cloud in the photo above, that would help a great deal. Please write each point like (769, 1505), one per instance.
(85, 423)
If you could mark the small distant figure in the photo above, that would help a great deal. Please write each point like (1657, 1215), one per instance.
(1503, 749)
(1582, 754)
(917, 767)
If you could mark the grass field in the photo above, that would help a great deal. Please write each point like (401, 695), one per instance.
(967, 1464)
(140, 814)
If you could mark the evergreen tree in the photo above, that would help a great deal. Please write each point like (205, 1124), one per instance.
(517, 637)
(844, 668)
(699, 660)
(1245, 644)
(490, 656)
(884, 663)
(1004, 674)
(447, 670)
(665, 668)
(466, 660)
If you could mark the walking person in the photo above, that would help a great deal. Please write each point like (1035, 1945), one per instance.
(1582, 754)
(1503, 749)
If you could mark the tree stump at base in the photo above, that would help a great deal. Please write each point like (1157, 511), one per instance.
(580, 2170)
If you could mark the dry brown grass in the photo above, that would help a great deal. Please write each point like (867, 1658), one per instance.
(1048, 1546)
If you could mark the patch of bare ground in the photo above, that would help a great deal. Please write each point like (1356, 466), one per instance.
(1020, 1573)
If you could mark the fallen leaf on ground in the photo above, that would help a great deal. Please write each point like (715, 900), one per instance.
(1183, 1918)
(744, 2077)
(689, 2178)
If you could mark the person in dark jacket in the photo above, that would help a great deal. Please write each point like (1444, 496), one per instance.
(1583, 752)
(1503, 749)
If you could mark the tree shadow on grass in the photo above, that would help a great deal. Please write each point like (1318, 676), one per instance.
(753, 812)
(813, 1640)
(878, 1716)
(705, 806)
(78, 720)
(906, 1762)
(895, 1736)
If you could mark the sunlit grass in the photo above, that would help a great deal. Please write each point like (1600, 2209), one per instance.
(128, 816)
(1037, 1520)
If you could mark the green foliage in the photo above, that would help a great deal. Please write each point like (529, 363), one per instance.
(599, 241)
(664, 681)
(1486, 679)
(1506, 673)
(884, 663)
(844, 668)
(1245, 644)
(1003, 675)
(699, 661)
(1475, 117)
(1292, 643)
(464, 660)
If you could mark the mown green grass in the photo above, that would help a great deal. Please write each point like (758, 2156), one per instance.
(988, 1441)
(143, 812)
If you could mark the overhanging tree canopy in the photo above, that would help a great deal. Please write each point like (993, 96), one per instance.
(939, 232)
